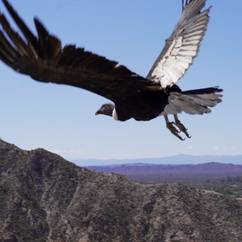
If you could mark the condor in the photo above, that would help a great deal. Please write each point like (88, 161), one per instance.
(43, 57)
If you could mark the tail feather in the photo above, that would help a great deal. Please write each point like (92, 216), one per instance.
(208, 90)
(194, 101)
(209, 100)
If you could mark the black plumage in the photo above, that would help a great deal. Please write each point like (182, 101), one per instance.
(43, 57)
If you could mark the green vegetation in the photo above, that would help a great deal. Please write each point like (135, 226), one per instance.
(231, 186)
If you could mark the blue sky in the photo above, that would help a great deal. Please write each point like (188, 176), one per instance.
(61, 118)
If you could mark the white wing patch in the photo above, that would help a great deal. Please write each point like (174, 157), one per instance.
(182, 47)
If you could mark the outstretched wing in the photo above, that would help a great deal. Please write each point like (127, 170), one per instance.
(182, 46)
(43, 58)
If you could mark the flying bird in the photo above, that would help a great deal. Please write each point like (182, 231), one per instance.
(42, 57)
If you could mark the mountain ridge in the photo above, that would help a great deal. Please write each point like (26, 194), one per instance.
(44, 198)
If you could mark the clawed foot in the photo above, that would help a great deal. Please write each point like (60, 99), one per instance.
(174, 130)
(176, 127)
(182, 128)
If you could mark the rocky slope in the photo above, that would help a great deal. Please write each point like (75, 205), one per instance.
(45, 198)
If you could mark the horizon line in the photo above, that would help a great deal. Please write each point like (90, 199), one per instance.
(158, 157)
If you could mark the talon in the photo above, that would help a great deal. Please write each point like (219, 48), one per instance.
(181, 127)
(174, 130)
(172, 127)
(179, 137)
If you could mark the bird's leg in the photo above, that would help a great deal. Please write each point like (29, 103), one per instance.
(181, 127)
(172, 128)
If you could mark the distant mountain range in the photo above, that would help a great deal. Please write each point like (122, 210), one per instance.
(171, 160)
(195, 173)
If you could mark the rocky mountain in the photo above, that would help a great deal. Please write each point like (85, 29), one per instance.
(46, 198)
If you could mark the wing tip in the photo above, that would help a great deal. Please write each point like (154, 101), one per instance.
(8, 6)
(40, 26)
(193, 6)
(5, 2)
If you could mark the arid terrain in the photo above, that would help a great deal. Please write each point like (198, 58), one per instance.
(46, 198)
(218, 177)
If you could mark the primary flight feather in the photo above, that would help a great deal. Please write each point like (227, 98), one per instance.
(43, 57)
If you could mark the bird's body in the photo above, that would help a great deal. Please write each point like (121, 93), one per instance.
(145, 105)
(43, 57)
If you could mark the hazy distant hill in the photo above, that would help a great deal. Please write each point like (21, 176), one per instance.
(173, 173)
(44, 198)
(171, 160)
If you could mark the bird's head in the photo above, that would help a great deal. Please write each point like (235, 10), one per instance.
(106, 109)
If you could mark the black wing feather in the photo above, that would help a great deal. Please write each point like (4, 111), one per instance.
(25, 30)
(44, 59)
